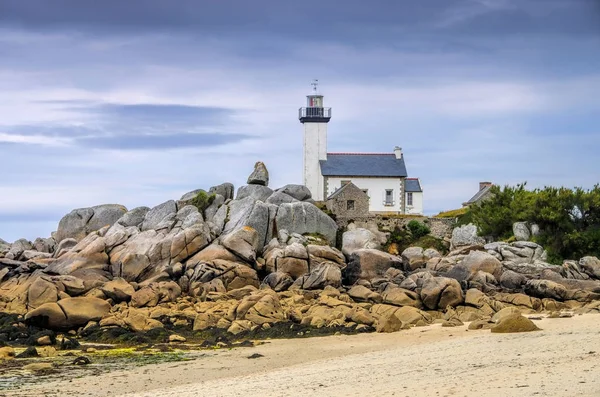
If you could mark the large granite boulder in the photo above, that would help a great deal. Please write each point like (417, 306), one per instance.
(298, 192)
(591, 265)
(17, 249)
(134, 217)
(80, 222)
(225, 189)
(441, 292)
(278, 198)
(465, 235)
(160, 217)
(321, 276)
(305, 218)
(369, 264)
(68, 313)
(482, 261)
(359, 238)
(260, 175)
(243, 243)
(521, 231)
(257, 192)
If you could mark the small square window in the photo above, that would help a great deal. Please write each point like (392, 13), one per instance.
(350, 204)
(389, 197)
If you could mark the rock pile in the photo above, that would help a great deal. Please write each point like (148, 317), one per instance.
(266, 257)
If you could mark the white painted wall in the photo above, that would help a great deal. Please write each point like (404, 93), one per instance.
(315, 149)
(417, 207)
(376, 191)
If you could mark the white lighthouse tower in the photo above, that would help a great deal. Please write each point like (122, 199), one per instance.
(315, 118)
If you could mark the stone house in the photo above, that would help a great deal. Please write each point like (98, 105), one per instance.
(483, 194)
(349, 201)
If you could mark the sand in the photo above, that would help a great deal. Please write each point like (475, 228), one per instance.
(561, 360)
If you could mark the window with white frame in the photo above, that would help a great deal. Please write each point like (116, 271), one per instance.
(409, 199)
(389, 197)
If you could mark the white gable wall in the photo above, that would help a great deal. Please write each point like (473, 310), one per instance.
(376, 191)
(417, 201)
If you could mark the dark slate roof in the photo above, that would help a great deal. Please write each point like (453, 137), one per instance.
(363, 164)
(412, 185)
(479, 195)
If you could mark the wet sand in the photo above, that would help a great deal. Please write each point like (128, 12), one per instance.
(561, 360)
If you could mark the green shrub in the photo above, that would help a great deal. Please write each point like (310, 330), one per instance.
(431, 242)
(202, 201)
(418, 229)
(569, 219)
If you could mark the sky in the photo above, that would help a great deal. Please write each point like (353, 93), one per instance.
(139, 102)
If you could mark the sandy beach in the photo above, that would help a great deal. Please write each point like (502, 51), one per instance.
(561, 360)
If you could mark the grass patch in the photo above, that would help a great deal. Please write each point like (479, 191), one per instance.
(452, 213)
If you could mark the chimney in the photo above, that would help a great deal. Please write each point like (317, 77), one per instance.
(484, 185)
(398, 152)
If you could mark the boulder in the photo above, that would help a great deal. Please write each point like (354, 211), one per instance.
(305, 218)
(243, 242)
(407, 314)
(362, 294)
(546, 289)
(278, 198)
(17, 248)
(233, 275)
(41, 291)
(590, 265)
(521, 231)
(402, 297)
(260, 175)
(389, 323)
(359, 238)
(534, 269)
(160, 217)
(514, 323)
(134, 217)
(505, 312)
(46, 245)
(256, 192)
(512, 280)
(465, 235)
(260, 308)
(367, 264)
(321, 276)
(482, 261)
(441, 292)
(299, 192)
(68, 313)
(323, 253)
(144, 297)
(225, 189)
(413, 258)
(278, 281)
(295, 267)
(80, 222)
(119, 290)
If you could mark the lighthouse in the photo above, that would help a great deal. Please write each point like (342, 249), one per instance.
(314, 117)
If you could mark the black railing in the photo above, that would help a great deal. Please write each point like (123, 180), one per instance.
(314, 113)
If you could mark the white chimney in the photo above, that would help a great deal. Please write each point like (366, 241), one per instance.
(398, 152)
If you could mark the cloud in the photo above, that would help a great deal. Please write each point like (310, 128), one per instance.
(32, 140)
(139, 102)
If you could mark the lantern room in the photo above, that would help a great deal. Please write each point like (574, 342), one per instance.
(314, 112)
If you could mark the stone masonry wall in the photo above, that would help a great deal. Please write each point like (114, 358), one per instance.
(440, 227)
